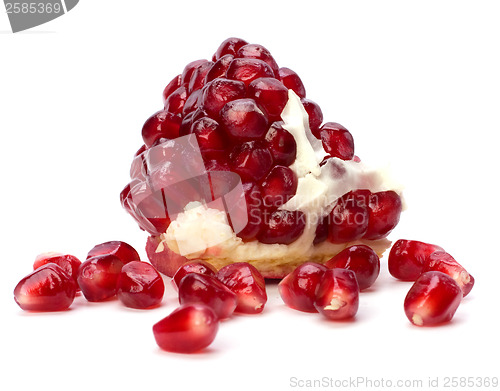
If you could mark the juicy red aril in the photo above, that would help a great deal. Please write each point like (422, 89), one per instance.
(247, 283)
(197, 288)
(315, 116)
(189, 69)
(259, 52)
(337, 141)
(282, 144)
(48, 288)
(171, 87)
(278, 186)
(362, 260)
(175, 102)
(407, 258)
(441, 261)
(209, 136)
(348, 219)
(271, 94)
(321, 233)
(200, 267)
(198, 77)
(292, 81)
(218, 164)
(219, 69)
(283, 227)
(337, 295)
(248, 69)
(139, 285)
(253, 199)
(124, 251)
(243, 120)
(433, 299)
(229, 46)
(162, 258)
(384, 212)
(220, 91)
(160, 125)
(192, 103)
(98, 275)
(187, 329)
(69, 263)
(298, 289)
(251, 160)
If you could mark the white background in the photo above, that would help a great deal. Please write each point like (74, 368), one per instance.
(417, 83)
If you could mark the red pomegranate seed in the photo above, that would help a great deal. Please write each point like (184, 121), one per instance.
(337, 295)
(229, 46)
(197, 288)
(124, 251)
(188, 329)
(281, 144)
(162, 258)
(69, 263)
(218, 164)
(243, 120)
(321, 230)
(98, 275)
(292, 81)
(407, 258)
(298, 289)
(348, 219)
(283, 227)
(219, 69)
(198, 266)
(315, 116)
(253, 198)
(251, 160)
(210, 137)
(160, 124)
(220, 91)
(198, 77)
(48, 288)
(278, 186)
(246, 282)
(384, 211)
(270, 94)
(337, 141)
(441, 261)
(362, 260)
(175, 102)
(433, 299)
(192, 102)
(259, 52)
(140, 286)
(189, 69)
(171, 87)
(248, 69)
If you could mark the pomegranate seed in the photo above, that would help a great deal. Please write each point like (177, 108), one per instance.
(220, 91)
(199, 266)
(69, 263)
(175, 102)
(292, 81)
(253, 198)
(189, 69)
(362, 260)
(171, 87)
(279, 186)
(251, 160)
(229, 46)
(48, 288)
(315, 116)
(248, 69)
(281, 144)
(219, 69)
(384, 212)
(243, 120)
(259, 52)
(321, 231)
(348, 219)
(337, 141)
(269, 93)
(441, 261)
(188, 329)
(162, 258)
(298, 289)
(210, 137)
(197, 288)
(139, 285)
(433, 299)
(283, 227)
(337, 295)
(98, 275)
(124, 251)
(160, 124)
(192, 103)
(198, 77)
(246, 282)
(218, 164)
(407, 258)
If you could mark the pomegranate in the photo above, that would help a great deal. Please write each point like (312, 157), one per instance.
(69, 263)
(97, 277)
